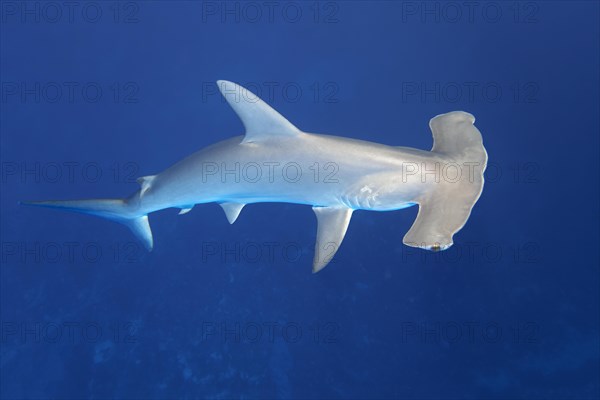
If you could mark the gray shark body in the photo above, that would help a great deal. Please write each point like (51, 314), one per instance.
(276, 162)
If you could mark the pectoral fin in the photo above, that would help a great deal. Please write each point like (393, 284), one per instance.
(333, 223)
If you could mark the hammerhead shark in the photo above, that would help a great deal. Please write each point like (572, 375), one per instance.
(274, 161)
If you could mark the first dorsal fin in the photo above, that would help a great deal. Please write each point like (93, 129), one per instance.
(260, 120)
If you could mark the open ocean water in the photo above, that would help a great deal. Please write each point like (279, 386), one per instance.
(95, 94)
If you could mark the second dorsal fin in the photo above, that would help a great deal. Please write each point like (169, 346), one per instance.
(145, 183)
(260, 120)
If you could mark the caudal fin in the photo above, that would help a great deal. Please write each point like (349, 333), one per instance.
(118, 210)
(445, 210)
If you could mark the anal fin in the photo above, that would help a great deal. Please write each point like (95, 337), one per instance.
(186, 209)
(333, 224)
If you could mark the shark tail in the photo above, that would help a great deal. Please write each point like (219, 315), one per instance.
(445, 210)
(123, 211)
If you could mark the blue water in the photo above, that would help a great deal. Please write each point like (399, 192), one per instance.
(96, 94)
